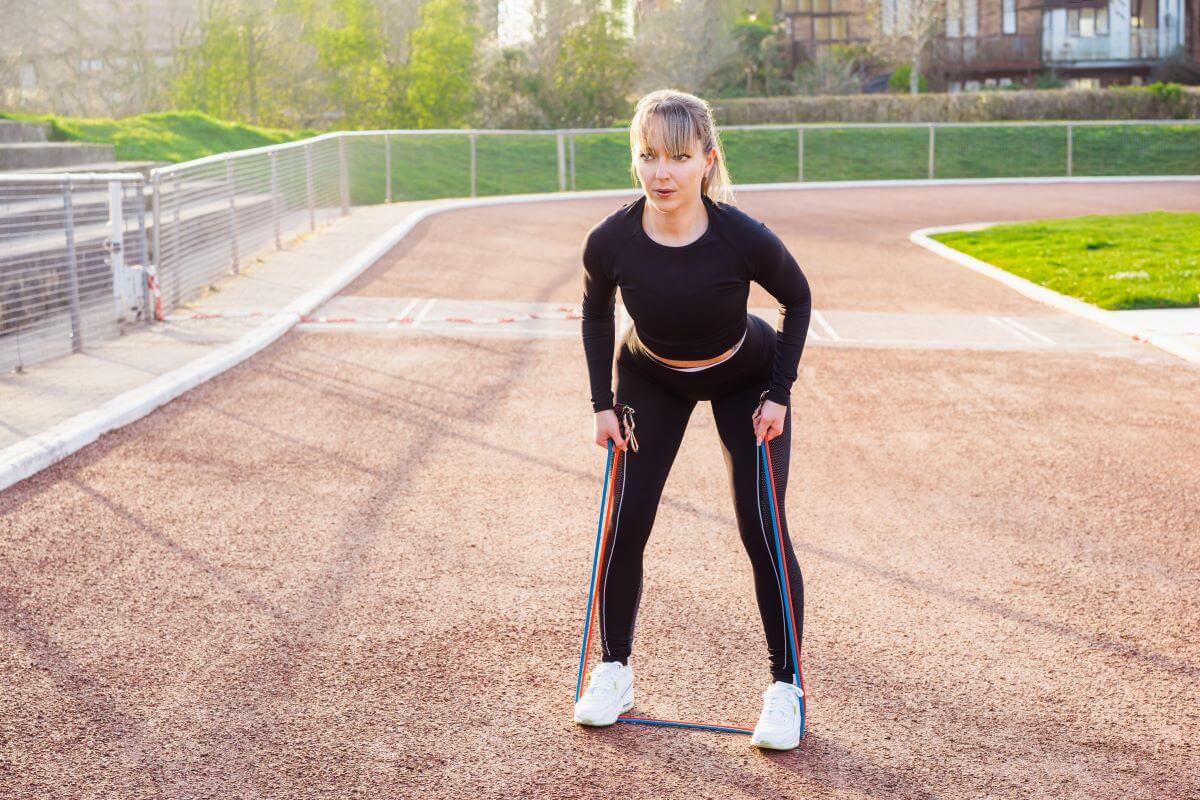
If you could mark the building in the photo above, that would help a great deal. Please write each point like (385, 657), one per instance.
(1089, 43)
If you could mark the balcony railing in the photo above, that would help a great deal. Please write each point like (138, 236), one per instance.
(1142, 44)
(987, 52)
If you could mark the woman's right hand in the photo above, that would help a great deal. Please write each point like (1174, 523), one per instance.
(607, 427)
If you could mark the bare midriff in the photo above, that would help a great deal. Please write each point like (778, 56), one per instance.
(701, 363)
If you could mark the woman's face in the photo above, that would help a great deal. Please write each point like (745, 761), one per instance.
(672, 182)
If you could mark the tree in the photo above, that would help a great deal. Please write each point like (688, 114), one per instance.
(593, 72)
(352, 55)
(904, 29)
(439, 77)
(223, 70)
(509, 89)
(687, 46)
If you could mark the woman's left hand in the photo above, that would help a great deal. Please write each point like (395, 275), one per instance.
(768, 420)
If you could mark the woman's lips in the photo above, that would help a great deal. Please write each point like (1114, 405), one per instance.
(664, 192)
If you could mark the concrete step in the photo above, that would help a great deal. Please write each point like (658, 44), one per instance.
(28, 214)
(50, 156)
(199, 223)
(143, 167)
(13, 131)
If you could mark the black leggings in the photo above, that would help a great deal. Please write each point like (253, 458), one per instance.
(662, 400)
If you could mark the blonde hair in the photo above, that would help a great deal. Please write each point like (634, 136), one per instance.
(684, 118)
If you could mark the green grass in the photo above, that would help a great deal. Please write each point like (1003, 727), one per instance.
(429, 166)
(164, 136)
(1124, 261)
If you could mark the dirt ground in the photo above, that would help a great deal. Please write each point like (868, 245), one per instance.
(356, 565)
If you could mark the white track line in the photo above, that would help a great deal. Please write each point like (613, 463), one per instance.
(396, 322)
(1004, 326)
(424, 311)
(1023, 327)
(820, 318)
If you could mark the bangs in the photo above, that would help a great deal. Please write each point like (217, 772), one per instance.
(677, 126)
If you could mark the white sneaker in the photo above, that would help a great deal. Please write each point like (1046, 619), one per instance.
(609, 692)
(782, 713)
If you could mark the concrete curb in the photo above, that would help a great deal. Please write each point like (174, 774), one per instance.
(35, 453)
(1040, 293)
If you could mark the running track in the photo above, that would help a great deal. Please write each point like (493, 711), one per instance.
(356, 564)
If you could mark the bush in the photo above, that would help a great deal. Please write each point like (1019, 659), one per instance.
(1137, 102)
(900, 79)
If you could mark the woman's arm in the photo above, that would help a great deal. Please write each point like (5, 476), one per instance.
(776, 270)
(599, 324)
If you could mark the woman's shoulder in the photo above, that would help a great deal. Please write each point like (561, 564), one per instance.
(747, 235)
(738, 223)
(610, 231)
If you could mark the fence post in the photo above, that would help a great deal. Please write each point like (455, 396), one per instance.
(472, 138)
(116, 245)
(156, 221)
(233, 247)
(562, 165)
(932, 151)
(175, 243)
(1070, 149)
(387, 163)
(343, 182)
(275, 199)
(308, 184)
(800, 151)
(72, 268)
(571, 141)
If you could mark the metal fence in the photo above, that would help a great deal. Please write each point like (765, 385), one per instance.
(72, 250)
(66, 243)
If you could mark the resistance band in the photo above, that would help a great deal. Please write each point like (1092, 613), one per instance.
(613, 469)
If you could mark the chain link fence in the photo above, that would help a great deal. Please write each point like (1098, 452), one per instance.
(81, 256)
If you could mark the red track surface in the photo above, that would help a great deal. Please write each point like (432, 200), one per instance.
(356, 564)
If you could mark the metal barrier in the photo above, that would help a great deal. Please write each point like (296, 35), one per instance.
(73, 251)
(64, 248)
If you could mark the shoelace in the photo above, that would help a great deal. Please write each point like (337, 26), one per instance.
(777, 703)
(603, 682)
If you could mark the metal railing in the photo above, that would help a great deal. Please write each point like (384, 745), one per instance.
(72, 255)
(196, 223)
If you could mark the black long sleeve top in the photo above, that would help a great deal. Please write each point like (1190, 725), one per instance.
(689, 302)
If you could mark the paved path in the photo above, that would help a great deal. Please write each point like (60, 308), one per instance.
(356, 564)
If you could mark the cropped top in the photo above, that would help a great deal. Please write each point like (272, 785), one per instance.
(688, 302)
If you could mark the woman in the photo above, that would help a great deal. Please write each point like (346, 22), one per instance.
(683, 257)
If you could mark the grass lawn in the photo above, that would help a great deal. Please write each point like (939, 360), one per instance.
(163, 136)
(429, 166)
(1117, 262)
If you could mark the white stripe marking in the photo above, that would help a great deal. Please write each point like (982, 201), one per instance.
(1023, 327)
(424, 311)
(1014, 331)
(396, 322)
(820, 318)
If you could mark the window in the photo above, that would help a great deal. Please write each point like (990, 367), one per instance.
(1008, 10)
(823, 21)
(1087, 22)
(27, 79)
(962, 18)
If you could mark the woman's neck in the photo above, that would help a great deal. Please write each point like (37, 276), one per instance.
(677, 227)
